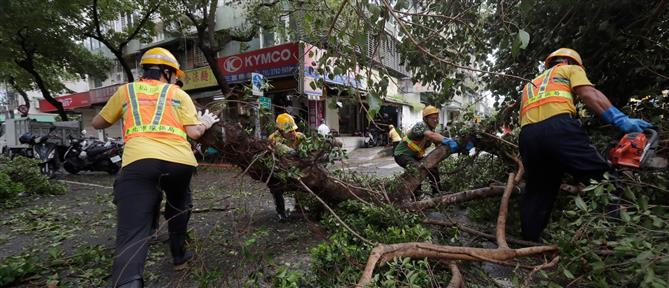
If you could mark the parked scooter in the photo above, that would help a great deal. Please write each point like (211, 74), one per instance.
(370, 140)
(93, 155)
(46, 152)
(373, 137)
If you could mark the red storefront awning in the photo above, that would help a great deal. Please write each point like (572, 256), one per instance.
(70, 102)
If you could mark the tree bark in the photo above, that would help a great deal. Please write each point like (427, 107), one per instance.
(28, 65)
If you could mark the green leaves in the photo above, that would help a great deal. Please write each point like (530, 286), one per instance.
(520, 41)
(524, 38)
(580, 203)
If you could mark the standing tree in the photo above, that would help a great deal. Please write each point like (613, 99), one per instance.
(139, 25)
(36, 38)
(201, 23)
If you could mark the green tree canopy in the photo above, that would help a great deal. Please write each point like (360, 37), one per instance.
(40, 52)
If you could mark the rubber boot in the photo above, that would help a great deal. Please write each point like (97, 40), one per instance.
(180, 255)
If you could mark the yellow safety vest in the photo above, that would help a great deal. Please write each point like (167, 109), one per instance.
(149, 111)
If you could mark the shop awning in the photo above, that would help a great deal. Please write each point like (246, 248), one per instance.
(398, 99)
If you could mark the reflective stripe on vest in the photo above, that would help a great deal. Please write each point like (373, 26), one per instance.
(155, 128)
(413, 146)
(138, 125)
(548, 91)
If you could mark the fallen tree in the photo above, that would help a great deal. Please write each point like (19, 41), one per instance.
(240, 148)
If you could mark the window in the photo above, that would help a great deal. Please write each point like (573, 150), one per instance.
(268, 39)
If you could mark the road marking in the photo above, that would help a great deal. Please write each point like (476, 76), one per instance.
(86, 184)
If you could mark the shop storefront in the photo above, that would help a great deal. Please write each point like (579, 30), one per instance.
(332, 102)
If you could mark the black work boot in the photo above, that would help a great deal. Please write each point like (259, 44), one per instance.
(280, 204)
(180, 256)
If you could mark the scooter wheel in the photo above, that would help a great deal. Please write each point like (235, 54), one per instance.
(69, 167)
(113, 170)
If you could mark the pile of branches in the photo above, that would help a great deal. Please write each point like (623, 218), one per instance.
(306, 174)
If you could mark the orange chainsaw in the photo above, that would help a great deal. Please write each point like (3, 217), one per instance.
(635, 150)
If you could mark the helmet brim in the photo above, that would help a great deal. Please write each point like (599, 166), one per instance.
(181, 74)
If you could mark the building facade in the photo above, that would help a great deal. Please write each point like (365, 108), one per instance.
(289, 65)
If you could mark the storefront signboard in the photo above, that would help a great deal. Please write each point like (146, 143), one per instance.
(69, 102)
(277, 61)
(199, 78)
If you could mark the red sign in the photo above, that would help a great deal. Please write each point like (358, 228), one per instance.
(253, 61)
(70, 102)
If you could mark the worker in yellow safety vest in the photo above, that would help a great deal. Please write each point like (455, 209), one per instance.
(394, 136)
(158, 117)
(285, 140)
(551, 138)
(411, 149)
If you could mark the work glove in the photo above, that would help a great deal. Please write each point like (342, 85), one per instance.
(623, 122)
(468, 147)
(451, 143)
(207, 118)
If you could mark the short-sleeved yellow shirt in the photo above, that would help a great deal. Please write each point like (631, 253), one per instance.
(576, 77)
(138, 148)
(276, 138)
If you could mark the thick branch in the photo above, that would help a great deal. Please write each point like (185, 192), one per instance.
(456, 277)
(503, 210)
(454, 198)
(420, 250)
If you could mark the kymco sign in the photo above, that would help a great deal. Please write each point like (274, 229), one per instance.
(273, 61)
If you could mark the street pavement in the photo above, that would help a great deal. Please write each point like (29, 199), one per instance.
(374, 161)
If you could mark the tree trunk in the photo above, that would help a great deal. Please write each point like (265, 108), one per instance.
(124, 64)
(30, 68)
(210, 56)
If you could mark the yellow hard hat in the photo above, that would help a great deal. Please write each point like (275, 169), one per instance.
(160, 56)
(429, 110)
(285, 122)
(564, 52)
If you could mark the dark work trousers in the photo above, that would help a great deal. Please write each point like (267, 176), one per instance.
(189, 204)
(395, 146)
(548, 150)
(136, 191)
(277, 188)
(407, 161)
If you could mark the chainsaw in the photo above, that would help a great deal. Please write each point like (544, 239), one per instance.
(637, 150)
